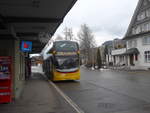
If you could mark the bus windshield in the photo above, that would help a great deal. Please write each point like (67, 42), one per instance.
(66, 46)
(67, 62)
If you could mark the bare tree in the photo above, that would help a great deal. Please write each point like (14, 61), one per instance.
(68, 33)
(59, 37)
(87, 44)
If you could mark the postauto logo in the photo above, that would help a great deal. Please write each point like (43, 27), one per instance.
(26, 46)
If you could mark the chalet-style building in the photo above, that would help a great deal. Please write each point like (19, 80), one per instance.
(136, 55)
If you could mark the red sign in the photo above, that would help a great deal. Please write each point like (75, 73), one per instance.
(5, 79)
(26, 45)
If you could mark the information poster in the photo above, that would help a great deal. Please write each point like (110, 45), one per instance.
(5, 68)
(5, 79)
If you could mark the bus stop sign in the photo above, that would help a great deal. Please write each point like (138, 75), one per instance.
(26, 46)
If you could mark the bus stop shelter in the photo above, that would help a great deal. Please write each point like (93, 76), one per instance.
(28, 20)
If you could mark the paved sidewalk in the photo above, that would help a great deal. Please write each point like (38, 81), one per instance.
(38, 97)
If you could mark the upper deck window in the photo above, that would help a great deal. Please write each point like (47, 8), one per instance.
(66, 46)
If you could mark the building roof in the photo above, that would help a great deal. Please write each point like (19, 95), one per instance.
(128, 52)
(132, 51)
(137, 35)
(32, 20)
(128, 33)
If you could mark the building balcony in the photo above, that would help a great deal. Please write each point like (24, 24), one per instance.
(118, 51)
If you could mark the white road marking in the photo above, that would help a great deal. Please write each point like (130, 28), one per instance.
(73, 104)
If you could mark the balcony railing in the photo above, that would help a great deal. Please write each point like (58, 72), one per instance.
(118, 51)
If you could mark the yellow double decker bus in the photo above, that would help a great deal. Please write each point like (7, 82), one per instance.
(63, 62)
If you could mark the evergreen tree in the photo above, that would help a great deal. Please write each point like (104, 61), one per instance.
(99, 60)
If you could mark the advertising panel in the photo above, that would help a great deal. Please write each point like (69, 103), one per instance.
(5, 79)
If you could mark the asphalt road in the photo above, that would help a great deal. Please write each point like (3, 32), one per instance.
(109, 91)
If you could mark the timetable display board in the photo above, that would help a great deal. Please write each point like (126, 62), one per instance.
(5, 79)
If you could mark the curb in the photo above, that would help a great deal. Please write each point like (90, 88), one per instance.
(66, 98)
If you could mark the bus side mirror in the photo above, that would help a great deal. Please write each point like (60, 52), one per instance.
(51, 50)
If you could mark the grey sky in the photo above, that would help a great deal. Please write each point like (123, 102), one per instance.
(108, 19)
